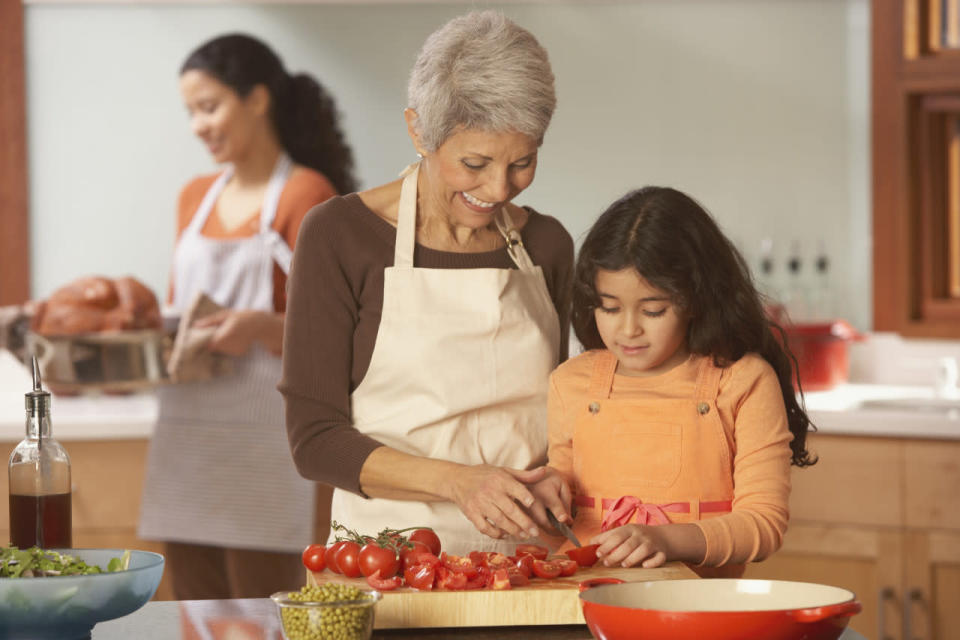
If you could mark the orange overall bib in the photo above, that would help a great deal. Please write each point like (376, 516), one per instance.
(652, 460)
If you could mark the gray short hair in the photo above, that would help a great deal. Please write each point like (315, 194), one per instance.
(481, 71)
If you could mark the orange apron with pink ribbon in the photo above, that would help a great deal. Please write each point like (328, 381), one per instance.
(651, 461)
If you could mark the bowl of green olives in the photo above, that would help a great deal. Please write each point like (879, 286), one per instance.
(327, 612)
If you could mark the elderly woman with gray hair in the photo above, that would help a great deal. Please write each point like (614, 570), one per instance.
(425, 315)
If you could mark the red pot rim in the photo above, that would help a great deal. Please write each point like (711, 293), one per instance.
(835, 329)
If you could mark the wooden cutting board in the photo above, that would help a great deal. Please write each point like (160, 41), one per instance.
(543, 602)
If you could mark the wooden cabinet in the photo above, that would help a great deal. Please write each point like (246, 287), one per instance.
(880, 517)
(107, 480)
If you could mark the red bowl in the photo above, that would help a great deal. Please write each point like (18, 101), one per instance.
(716, 609)
(822, 353)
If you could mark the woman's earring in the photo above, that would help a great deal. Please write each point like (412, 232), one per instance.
(420, 156)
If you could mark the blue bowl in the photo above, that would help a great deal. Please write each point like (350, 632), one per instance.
(67, 607)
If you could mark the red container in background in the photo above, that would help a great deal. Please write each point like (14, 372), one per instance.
(822, 351)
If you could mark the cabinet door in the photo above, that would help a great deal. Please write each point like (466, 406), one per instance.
(863, 560)
(932, 587)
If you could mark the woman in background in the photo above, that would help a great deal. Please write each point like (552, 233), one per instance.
(221, 490)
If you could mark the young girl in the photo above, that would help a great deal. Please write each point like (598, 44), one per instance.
(677, 427)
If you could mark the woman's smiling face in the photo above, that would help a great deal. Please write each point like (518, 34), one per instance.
(223, 121)
(474, 173)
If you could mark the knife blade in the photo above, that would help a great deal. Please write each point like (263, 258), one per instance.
(562, 528)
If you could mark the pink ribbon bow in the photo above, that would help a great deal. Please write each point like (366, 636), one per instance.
(622, 510)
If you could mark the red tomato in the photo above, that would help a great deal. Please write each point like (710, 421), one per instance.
(524, 565)
(499, 561)
(544, 569)
(458, 564)
(480, 580)
(478, 558)
(568, 567)
(373, 558)
(517, 579)
(419, 576)
(331, 556)
(538, 552)
(427, 537)
(501, 580)
(452, 580)
(380, 584)
(347, 559)
(408, 554)
(584, 556)
(420, 556)
(313, 557)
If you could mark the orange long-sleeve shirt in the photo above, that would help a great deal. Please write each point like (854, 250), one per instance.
(304, 189)
(754, 419)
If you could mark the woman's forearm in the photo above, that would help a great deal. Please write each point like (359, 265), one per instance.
(388, 473)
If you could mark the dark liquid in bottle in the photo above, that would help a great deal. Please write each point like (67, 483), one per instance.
(43, 521)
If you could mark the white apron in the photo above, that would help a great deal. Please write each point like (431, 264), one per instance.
(219, 470)
(459, 372)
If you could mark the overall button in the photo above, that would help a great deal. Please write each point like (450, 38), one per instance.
(703, 408)
(594, 408)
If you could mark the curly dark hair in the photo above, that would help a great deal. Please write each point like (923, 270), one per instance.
(303, 113)
(676, 246)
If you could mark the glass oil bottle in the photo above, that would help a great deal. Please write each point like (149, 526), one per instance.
(39, 475)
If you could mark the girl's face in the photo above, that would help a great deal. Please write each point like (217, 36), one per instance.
(224, 122)
(474, 173)
(639, 324)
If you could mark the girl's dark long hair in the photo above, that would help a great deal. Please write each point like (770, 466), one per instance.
(678, 248)
(303, 113)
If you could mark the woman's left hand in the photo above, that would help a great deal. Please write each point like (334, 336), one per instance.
(632, 544)
(236, 330)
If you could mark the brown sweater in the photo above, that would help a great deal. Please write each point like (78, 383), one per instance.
(333, 313)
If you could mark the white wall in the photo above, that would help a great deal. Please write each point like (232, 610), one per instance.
(758, 108)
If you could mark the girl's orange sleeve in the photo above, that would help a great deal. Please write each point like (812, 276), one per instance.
(754, 528)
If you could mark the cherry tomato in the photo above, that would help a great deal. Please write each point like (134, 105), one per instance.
(427, 537)
(420, 556)
(544, 569)
(518, 579)
(458, 564)
(452, 580)
(499, 561)
(482, 579)
(524, 565)
(408, 554)
(478, 558)
(584, 556)
(331, 556)
(538, 552)
(313, 557)
(567, 566)
(419, 576)
(381, 584)
(501, 580)
(347, 559)
(373, 558)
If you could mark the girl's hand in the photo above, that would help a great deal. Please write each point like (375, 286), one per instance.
(236, 330)
(491, 496)
(553, 493)
(631, 545)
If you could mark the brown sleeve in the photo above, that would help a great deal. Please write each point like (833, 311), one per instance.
(550, 246)
(321, 317)
(305, 189)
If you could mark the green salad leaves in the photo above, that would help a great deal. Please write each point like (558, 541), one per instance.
(37, 563)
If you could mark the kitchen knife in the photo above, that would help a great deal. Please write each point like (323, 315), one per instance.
(562, 528)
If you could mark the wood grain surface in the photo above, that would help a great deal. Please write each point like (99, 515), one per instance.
(543, 602)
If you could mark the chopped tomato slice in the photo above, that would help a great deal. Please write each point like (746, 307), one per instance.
(584, 556)
(518, 579)
(501, 580)
(538, 552)
(478, 558)
(419, 576)
(544, 569)
(419, 556)
(499, 561)
(568, 567)
(479, 581)
(458, 564)
(380, 584)
(452, 580)
(524, 565)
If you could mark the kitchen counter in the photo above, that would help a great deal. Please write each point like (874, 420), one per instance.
(257, 618)
(119, 417)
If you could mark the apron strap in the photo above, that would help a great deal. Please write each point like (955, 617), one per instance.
(279, 248)
(601, 380)
(708, 381)
(206, 205)
(407, 218)
(515, 249)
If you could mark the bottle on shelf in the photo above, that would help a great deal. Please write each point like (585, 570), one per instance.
(821, 294)
(39, 477)
(795, 294)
